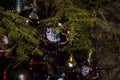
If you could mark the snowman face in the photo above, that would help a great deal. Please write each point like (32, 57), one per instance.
(85, 70)
(51, 35)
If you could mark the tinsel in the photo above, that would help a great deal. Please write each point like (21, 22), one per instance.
(19, 6)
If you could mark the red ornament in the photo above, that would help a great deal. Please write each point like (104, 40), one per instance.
(31, 68)
(94, 70)
(94, 76)
(5, 75)
(32, 60)
(4, 45)
(32, 64)
(91, 69)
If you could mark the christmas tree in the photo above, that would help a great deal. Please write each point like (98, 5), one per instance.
(59, 40)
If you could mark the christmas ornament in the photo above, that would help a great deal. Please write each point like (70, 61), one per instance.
(5, 75)
(32, 64)
(85, 70)
(47, 78)
(58, 77)
(34, 19)
(55, 36)
(94, 74)
(51, 35)
(33, 14)
(71, 63)
(19, 6)
(4, 45)
(22, 75)
(90, 71)
(55, 77)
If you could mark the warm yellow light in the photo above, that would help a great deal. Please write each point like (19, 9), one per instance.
(71, 61)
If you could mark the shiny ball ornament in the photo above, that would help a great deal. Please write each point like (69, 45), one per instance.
(22, 75)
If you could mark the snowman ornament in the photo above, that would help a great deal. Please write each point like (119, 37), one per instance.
(85, 70)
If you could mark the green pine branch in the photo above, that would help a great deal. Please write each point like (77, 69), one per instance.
(22, 37)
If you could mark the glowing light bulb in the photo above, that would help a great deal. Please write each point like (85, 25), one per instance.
(21, 77)
(70, 64)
